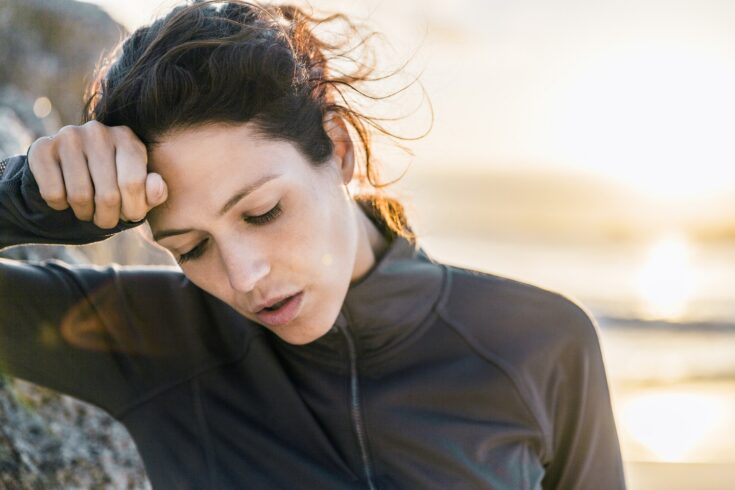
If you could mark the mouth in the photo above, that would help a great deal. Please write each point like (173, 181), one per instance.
(277, 305)
(282, 312)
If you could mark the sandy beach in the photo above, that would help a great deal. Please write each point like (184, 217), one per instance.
(680, 476)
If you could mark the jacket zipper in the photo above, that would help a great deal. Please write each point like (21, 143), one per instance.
(356, 413)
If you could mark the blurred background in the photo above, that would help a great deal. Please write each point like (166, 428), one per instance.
(585, 147)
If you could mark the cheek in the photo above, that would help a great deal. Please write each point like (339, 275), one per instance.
(329, 234)
(207, 276)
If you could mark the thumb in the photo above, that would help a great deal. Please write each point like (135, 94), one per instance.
(156, 191)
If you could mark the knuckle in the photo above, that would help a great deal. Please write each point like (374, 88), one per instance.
(54, 196)
(105, 222)
(130, 141)
(82, 214)
(80, 198)
(97, 130)
(94, 125)
(41, 143)
(65, 130)
(135, 207)
(69, 136)
(133, 187)
(123, 132)
(137, 216)
(140, 148)
(38, 156)
(59, 206)
(109, 199)
(68, 131)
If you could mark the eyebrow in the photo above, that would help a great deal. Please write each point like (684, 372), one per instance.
(237, 197)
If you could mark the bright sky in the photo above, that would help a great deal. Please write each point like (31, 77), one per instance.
(640, 91)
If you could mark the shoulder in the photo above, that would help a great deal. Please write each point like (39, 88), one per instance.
(510, 314)
(536, 336)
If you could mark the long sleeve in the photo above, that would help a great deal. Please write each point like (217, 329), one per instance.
(585, 451)
(25, 218)
(106, 335)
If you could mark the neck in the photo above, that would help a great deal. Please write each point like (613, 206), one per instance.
(371, 244)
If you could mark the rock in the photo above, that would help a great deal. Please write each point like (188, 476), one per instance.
(50, 48)
(53, 441)
(20, 104)
(14, 136)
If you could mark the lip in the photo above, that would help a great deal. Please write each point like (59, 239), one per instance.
(272, 301)
(284, 314)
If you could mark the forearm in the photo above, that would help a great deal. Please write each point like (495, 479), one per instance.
(25, 217)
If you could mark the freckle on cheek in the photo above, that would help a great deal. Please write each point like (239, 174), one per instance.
(327, 259)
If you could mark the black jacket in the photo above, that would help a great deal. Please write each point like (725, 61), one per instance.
(433, 376)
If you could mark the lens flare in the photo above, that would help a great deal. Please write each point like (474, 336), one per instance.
(666, 281)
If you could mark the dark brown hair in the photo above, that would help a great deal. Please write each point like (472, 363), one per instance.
(235, 62)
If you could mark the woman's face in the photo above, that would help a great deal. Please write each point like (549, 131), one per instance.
(251, 220)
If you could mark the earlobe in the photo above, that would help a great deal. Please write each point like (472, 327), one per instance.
(343, 152)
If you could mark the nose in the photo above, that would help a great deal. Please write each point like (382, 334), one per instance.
(243, 265)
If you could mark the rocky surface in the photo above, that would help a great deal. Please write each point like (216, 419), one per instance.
(49, 440)
(52, 441)
(50, 47)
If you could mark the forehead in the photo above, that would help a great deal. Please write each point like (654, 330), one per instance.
(199, 146)
(203, 167)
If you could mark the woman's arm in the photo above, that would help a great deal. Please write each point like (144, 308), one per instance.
(106, 335)
(81, 185)
(73, 329)
(53, 333)
(25, 218)
(585, 450)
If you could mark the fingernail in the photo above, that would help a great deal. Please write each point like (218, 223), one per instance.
(163, 192)
(155, 189)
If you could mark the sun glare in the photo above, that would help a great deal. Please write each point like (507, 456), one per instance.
(666, 281)
(672, 425)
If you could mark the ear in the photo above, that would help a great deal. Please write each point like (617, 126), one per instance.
(344, 151)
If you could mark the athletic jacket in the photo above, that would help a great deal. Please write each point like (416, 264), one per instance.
(432, 377)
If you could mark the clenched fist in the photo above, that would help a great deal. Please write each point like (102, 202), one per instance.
(100, 171)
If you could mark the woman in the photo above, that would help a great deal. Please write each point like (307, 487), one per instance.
(307, 341)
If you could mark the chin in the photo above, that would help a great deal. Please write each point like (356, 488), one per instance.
(308, 327)
(296, 335)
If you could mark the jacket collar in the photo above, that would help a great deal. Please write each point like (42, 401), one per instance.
(387, 305)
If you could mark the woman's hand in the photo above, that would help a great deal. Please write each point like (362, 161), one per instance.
(100, 171)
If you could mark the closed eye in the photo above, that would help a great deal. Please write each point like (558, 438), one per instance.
(262, 219)
(194, 253)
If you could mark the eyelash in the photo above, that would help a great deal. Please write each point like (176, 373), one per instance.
(260, 220)
(263, 219)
